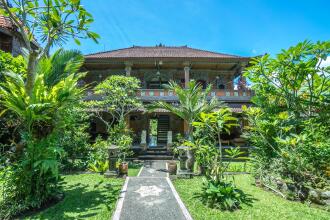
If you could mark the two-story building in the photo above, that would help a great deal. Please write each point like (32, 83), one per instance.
(158, 65)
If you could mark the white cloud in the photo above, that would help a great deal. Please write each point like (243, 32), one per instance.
(254, 51)
(326, 62)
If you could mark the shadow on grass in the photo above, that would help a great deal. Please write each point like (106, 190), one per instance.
(83, 201)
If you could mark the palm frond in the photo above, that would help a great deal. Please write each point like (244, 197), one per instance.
(63, 63)
(192, 101)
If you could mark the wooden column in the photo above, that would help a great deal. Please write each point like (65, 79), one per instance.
(186, 76)
(186, 85)
(128, 68)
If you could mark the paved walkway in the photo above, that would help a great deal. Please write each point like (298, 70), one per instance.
(150, 196)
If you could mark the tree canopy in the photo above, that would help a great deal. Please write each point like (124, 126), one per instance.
(117, 96)
(43, 24)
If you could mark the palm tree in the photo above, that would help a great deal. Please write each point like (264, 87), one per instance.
(192, 102)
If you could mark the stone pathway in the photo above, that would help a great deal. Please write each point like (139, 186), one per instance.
(150, 196)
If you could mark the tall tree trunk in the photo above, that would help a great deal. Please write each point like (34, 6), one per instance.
(190, 153)
(31, 72)
(220, 158)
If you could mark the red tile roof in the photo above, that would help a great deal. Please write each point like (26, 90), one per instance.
(6, 23)
(160, 52)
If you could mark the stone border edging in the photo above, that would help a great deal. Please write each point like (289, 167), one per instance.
(120, 202)
(166, 165)
(178, 199)
(140, 171)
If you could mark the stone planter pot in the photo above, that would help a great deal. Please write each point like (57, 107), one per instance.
(123, 168)
(172, 167)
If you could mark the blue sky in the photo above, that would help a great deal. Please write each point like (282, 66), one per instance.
(242, 27)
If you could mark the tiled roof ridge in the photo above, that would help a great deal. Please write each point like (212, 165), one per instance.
(163, 46)
(214, 52)
(134, 46)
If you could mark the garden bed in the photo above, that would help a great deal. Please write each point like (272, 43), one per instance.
(265, 205)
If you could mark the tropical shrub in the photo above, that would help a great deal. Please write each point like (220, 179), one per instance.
(289, 127)
(10, 63)
(99, 166)
(215, 124)
(120, 136)
(205, 155)
(222, 195)
(34, 173)
(9, 134)
(75, 139)
(217, 191)
(99, 150)
(33, 180)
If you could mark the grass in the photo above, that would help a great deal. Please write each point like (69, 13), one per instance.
(87, 196)
(240, 167)
(266, 205)
(133, 169)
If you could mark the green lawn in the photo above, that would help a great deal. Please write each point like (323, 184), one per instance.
(87, 196)
(266, 205)
(133, 169)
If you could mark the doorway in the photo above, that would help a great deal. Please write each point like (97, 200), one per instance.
(153, 128)
(158, 129)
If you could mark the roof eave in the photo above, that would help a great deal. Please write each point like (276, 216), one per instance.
(205, 59)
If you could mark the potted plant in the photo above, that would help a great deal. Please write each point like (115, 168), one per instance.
(124, 151)
(172, 167)
(123, 167)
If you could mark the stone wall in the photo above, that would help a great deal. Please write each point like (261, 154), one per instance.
(295, 191)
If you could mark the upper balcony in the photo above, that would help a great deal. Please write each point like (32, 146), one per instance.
(221, 94)
(149, 95)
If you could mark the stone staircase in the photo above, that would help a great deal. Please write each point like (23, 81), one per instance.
(156, 153)
(163, 127)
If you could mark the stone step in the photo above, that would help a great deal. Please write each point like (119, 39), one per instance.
(156, 153)
(157, 149)
(155, 157)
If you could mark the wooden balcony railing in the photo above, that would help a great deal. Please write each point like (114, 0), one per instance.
(218, 93)
(162, 94)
